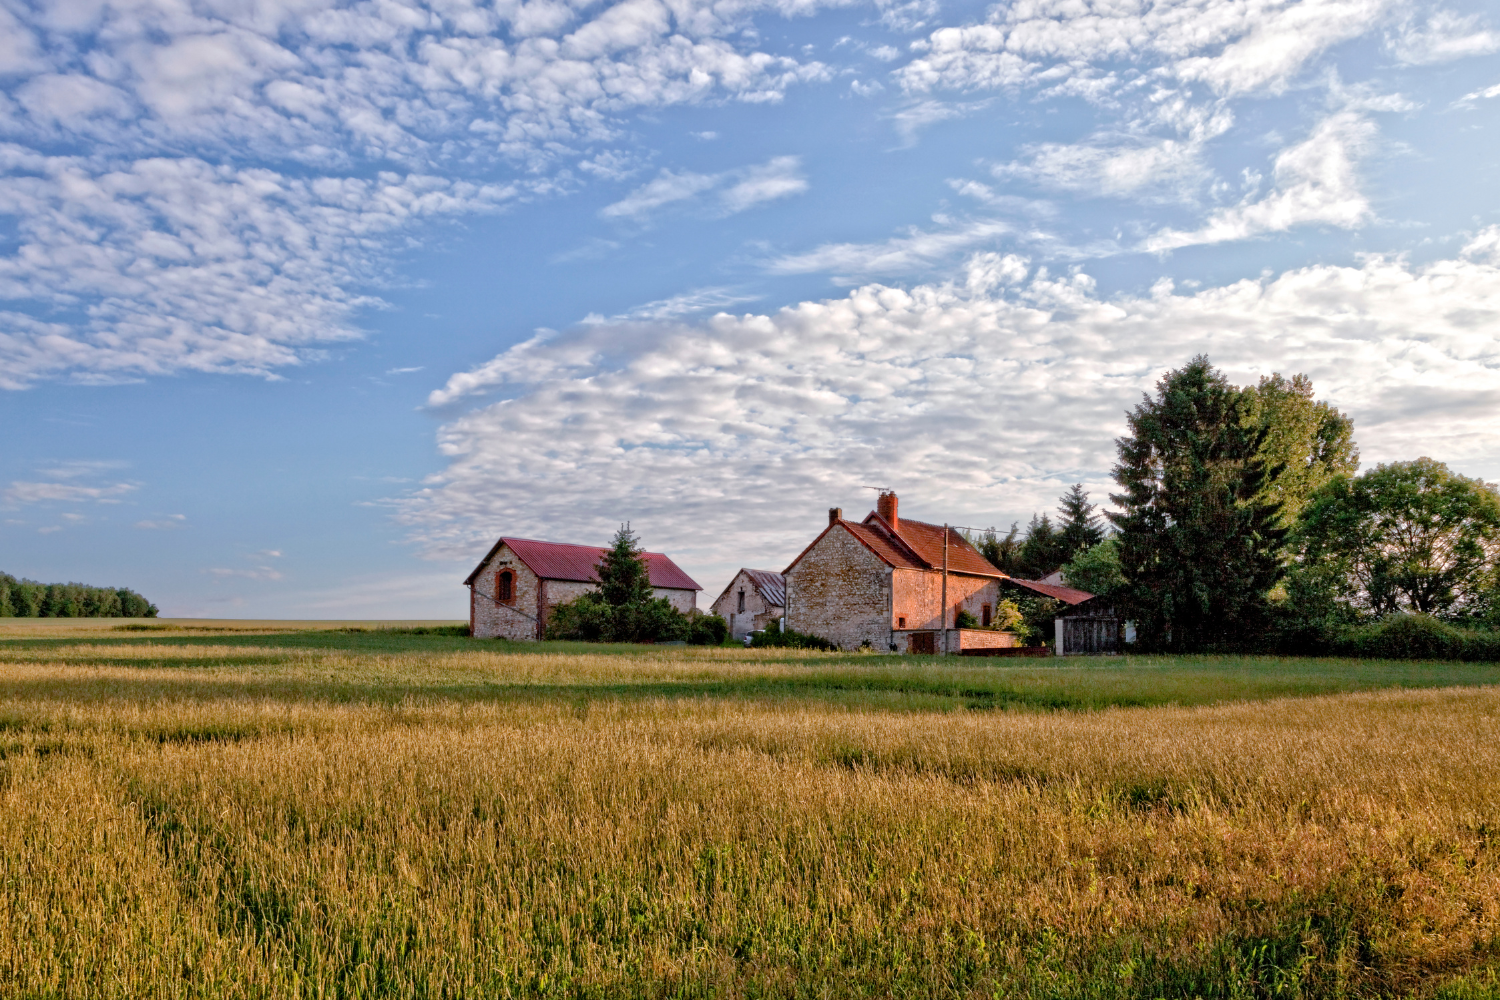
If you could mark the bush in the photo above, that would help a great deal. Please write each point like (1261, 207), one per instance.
(1417, 637)
(589, 618)
(965, 620)
(707, 630)
(774, 635)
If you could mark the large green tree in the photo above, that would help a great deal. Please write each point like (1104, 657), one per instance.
(1308, 441)
(1405, 536)
(1042, 551)
(1201, 543)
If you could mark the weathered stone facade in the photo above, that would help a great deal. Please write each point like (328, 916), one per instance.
(522, 612)
(841, 591)
(744, 604)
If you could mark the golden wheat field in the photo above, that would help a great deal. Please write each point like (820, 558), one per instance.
(358, 815)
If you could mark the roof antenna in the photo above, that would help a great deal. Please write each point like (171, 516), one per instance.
(881, 489)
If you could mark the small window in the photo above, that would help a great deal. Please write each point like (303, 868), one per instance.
(901, 623)
(742, 600)
(985, 615)
(505, 587)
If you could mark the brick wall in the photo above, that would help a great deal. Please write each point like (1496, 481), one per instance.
(839, 590)
(757, 613)
(918, 597)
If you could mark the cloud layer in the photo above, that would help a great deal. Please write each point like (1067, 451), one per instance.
(977, 400)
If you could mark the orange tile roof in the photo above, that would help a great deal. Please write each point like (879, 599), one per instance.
(925, 541)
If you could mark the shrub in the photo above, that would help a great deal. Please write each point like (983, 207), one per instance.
(587, 618)
(1417, 637)
(707, 630)
(965, 620)
(590, 618)
(774, 635)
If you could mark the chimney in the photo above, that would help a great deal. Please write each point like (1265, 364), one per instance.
(835, 515)
(886, 508)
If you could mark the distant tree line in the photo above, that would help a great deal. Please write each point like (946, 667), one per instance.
(1241, 524)
(30, 599)
(624, 610)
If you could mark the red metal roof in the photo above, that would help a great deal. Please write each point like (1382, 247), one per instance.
(563, 561)
(1068, 595)
(926, 542)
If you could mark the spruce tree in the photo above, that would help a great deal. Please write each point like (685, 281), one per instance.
(1004, 553)
(1041, 553)
(623, 577)
(1201, 540)
(1078, 526)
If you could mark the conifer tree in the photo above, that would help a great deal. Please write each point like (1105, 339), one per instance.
(1041, 553)
(1078, 526)
(623, 575)
(1201, 541)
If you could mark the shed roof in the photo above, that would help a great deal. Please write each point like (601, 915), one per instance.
(770, 584)
(1068, 595)
(564, 561)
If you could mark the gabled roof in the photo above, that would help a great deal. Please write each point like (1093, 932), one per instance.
(914, 545)
(926, 542)
(562, 561)
(1068, 595)
(769, 584)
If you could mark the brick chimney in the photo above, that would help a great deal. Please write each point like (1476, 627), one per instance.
(886, 508)
(835, 515)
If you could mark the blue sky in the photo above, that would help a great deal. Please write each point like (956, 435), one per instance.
(306, 301)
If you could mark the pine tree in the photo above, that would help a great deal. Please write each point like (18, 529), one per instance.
(1041, 553)
(1201, 541)
(1004, 553)
(1078, 526)
(623, 576)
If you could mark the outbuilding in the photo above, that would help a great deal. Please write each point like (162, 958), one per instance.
(753, 599)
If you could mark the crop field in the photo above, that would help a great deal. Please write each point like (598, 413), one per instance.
(278, 812)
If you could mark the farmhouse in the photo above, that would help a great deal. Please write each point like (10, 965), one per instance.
(892, 584)
(753, 599)
(520, 581)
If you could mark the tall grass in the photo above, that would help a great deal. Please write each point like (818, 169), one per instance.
(221, 820)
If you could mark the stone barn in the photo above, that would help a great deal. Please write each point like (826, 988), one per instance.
(879, 583)
(521, 580)
(753, 599)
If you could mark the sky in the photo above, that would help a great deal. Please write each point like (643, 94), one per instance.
(305, 302)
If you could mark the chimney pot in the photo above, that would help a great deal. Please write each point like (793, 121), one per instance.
(886, 507)
(835, 515)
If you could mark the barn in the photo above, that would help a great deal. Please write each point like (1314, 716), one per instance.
(520, 580)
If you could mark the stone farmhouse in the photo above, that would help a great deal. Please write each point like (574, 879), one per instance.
(515, 587)
(880, 583)
(753, 599)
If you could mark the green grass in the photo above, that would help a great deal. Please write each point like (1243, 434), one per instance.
(370, 665)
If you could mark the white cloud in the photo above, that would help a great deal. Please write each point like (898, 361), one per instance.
(715, 438)
(1234, 46)
(911, 120)
(915, 250)
(1444, 36)
(178, 264)
(733, 190)
(258, 573)
(23, 493)
(723, 441)
(696, 301)
(165, 524)
(1316, 182)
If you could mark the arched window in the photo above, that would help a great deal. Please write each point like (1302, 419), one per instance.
(505, 586)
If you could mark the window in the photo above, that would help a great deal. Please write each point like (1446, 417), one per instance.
(985, 615)
(742, 600)
(505, 586)
(901, 623)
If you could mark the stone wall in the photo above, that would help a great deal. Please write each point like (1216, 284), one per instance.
(514, 619)
(839, 590)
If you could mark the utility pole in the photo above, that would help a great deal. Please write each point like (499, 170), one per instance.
(944, 651)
